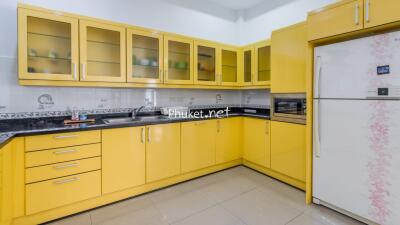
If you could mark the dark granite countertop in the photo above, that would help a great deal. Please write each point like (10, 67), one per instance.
(24, 127)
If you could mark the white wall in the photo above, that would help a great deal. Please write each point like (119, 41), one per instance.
(252, 26)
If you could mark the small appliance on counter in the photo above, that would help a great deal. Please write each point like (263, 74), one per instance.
(289, 108)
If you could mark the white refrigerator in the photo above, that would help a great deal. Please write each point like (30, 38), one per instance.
(356, 149)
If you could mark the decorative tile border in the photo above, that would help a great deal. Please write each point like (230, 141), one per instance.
(25, 115)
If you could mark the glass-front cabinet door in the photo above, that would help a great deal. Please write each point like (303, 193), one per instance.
(262, 63)
(48, 46)
(229, 66)
(206, 63)
(178, 60)
(102, 52)
(144, 57)
(248, 65)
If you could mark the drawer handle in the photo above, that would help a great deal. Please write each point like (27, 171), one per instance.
(65, 136)
(69, 180)
(65, 151)
(65, 166)
(199, 123)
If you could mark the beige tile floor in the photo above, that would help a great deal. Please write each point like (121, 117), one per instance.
(238, 196)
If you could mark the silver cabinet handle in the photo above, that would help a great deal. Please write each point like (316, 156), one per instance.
(61, 152)
(317, 128)
(65, 166)
(148, 134)
(367, 8)
(318, 76)
(266, 127)
(65, 136)
(357, 14)
(199, 123)
(83, 67)
(143, 135)
(69, 180)
(75, 74)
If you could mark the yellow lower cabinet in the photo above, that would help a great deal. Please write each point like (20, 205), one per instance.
(228, 139)
(163, 151)
(256, 141)
(123, 158)
(51, 194)
(288, 149)
(198, 145)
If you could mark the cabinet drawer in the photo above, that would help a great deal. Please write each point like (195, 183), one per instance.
(59, 140)
(58, 155)
(63, 191)
(61, 169)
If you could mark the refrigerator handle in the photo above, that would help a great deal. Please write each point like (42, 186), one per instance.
(318, 77)
(317, 129)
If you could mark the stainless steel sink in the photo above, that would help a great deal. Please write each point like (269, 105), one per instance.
(122, 120)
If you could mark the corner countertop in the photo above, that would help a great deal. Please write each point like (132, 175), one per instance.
(37, 126)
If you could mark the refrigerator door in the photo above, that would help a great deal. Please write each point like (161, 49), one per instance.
(356, 168)
(352, 69)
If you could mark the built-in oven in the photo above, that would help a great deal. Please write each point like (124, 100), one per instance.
(289, 108)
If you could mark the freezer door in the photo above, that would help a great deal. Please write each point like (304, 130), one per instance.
(357, 166)
(350, 69)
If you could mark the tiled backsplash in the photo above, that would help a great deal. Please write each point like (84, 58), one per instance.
(17, 99)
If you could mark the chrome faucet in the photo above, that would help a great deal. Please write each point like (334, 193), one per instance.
(136, 111)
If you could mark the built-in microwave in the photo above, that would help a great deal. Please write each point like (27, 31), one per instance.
(289, 108)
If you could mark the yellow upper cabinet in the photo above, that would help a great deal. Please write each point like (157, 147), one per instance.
(198, 145)
(339, 18)
(123, 158)
(229, 139)
(206, 61)
(256, 141)
(163, 151)
(102, 52)
(144, 56)
(229, 66)
(378, 12)
(178, 58)
(47, 46)
(289, 59)
(288, 149)
(262, 63)
(248, 69)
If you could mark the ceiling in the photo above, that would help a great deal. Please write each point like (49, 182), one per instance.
(232, 9)
(238, 4)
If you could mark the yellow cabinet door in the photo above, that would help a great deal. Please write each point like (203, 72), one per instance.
(163, 151)
(123, 158)
(48, 46)
(178, 60)
(229, 66)
(289, 59)
(198, 145)
(262, 63)
(228, 139)
(206, 59)
(144, 57)
(102, 52)
(288, 149)
(339, 18)
(248, 69)
(256, 141)
(379, 12)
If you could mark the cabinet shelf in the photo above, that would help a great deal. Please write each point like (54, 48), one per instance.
(146, 66)
(145, 49)
(50, 35)
(229, 66)
(178, 53)
(105, 62)
(104, 43)
(49, 58)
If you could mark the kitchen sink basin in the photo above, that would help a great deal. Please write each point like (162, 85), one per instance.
(122, 120)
